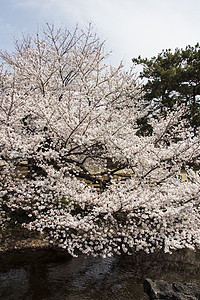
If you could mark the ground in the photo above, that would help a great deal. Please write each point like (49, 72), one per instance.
(18, 238)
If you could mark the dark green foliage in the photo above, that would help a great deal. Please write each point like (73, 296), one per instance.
(172, 79)
(145, 129)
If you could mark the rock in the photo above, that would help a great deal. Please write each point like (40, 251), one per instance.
(162, 290)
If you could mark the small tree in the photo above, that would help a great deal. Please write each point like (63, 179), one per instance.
(172, 79)
(73, 118)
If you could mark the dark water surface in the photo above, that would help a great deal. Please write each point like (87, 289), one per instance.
(52, 274)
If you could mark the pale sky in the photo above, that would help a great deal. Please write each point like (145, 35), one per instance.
(130, 27)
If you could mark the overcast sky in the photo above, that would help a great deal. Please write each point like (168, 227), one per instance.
(130, 27)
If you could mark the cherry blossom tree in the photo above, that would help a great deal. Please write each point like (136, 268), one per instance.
(93, 183)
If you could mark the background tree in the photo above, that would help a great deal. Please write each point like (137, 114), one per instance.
(173, 79)
(67, 113)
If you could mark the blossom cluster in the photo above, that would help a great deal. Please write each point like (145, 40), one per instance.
(124, 218)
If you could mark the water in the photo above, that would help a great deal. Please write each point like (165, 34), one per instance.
(54, 275)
